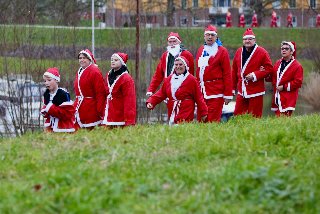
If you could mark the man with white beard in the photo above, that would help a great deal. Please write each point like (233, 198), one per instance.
(165, 66)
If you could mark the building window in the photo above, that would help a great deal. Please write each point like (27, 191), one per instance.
(194, 21)
(183, 4)
(224, 3)
(246, 3)
(183, 21)
(294, 21)
(195, 3)
(292, 3)
(313, 3)
(276, 5)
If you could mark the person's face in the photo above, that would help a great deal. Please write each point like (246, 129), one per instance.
(249, 42)
(115, 63)
(210, 38)
(173, 41)
(50, 83)
(179, 67)
(286, 51)
(84, 61)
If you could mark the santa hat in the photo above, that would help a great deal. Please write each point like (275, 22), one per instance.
(123, 57)
(248, 34)
(211, 30)
(53, 73)
(173, 35)
(88, 54)
(292, 46)
(184, 61)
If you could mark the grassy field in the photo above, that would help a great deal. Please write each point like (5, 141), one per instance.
(125, 37)
(246, 165)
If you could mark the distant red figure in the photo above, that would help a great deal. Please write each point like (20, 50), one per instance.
(318, 20)
(254, 20)
(273, 19)
(242, 21)
(289, 20)
(228, 20)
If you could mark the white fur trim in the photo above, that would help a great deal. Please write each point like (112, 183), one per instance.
(63, 130)
(274, 109)
(87, 54)
(205, 96)
(287, 109)
(289, 87)
(174, 37)
(210, 32)
(288, 43)
(48, 107)
(149, 93)
(252, 95)
(228, 97)
(183, 61)
(114, 123)
(48, 74)
(69, 103)
(249, 36)
(254, 77)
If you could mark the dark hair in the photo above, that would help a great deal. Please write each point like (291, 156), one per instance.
(84, 54)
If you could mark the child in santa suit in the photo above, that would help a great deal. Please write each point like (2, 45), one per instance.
(120, 108)
(58, 109)
(183, 91)
(287, 77)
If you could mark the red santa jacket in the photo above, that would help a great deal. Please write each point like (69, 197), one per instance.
(215, 76)
(291, 78)
(90, 96)
(258, 57)
(182, 94)
(161, 70)
(58, 112)
(121, 101)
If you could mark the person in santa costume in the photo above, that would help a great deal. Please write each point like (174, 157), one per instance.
(254, 20)
(90, 92)
(165, 66)
(318, 20)
(287, 77)
(183, 92)
(228, 19)
(120, 109)
(242, 21)
(251, 64)
(273, 22)
(289, 20)
(214, 74)
(58, 109)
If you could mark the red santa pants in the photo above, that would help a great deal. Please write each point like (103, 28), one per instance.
(215, 106)
(251, 105)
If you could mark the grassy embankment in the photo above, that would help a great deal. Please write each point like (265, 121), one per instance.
(242, 166)
(122, 39)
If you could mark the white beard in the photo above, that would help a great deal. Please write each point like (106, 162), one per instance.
(174, 50)
(211, 50)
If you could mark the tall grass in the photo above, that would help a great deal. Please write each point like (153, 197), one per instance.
(246, 165)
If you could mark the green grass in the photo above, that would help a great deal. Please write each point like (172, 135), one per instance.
(125, 37)
(246, 165)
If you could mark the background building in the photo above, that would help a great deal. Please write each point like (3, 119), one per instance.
(189, 13)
